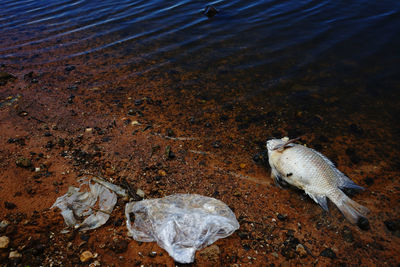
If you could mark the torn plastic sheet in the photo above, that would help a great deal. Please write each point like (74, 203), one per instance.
(90, 205)
(181, 223)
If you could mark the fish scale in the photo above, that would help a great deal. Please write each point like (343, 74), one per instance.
(314, 173)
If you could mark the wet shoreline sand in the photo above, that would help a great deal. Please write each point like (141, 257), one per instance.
(71, 121)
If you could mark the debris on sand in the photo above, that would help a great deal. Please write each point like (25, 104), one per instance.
(90, 205)
(181, 223)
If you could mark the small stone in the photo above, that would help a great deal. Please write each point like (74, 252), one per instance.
(140, 193)
(4, 242)
(301, 251)
(23, 162)
(210, 11)
(14, 255)
(275, 254)
(328, 253)
(131, 112)
(86, 256)
(363, 224)
(162, 173)
(211, 253)
(9, 205)
(3, 225)
(152, 254)
(88, 130)
(242, 165)
(110, 171)
(281, 217)
(347, 234)
(237, 194)
(69, 68)
(95, 264)
(119, 245)
(133, 123)
(138, 102)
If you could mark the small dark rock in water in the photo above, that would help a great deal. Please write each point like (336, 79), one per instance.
(393, 225)
(23, 162)
(47, 134)
(363, 224)
(69, 68)
(210, 11)
(328, 253)
(9, 205)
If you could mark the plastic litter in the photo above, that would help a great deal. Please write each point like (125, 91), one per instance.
(181, 223)
(90, 205)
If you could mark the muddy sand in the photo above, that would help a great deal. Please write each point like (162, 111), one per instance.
(64, 122)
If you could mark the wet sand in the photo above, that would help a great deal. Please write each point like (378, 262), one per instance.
(79, 121)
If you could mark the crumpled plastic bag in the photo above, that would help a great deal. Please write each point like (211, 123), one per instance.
(88, 206)
(181, 223)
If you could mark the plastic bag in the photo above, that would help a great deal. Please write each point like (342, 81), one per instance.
(95, 201)
(181, 223)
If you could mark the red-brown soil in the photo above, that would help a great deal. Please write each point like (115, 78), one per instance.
(76, 122)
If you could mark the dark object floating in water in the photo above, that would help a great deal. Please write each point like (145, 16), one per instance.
(210, 11)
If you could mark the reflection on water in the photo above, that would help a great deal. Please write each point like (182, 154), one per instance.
(265, 62)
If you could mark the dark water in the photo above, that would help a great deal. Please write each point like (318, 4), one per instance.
(262, 56)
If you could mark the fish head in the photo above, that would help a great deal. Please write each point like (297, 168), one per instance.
(274, 144)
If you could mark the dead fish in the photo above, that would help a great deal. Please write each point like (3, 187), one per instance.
(314, 173)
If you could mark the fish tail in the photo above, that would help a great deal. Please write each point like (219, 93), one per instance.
(353, 211)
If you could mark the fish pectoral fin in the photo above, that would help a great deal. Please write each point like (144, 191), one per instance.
(321, 200)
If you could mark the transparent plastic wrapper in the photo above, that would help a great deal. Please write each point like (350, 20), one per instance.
(90, 205)
(181, 223)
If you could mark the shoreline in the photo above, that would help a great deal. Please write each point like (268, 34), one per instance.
(66, 125)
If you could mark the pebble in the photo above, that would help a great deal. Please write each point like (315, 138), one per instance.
(152, 254)
(9, 205)
(162, 173)
(140, 193)
(210, 11)
(69, 68)
(4, 242)
(328, 253)
(14, 255)
(301, 250)
(95, 264)
(86, 256)
(3, 225)
(23, 162)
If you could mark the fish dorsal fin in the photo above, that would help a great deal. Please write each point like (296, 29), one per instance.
(286, 144)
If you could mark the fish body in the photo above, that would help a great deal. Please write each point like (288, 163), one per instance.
(312, 172)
